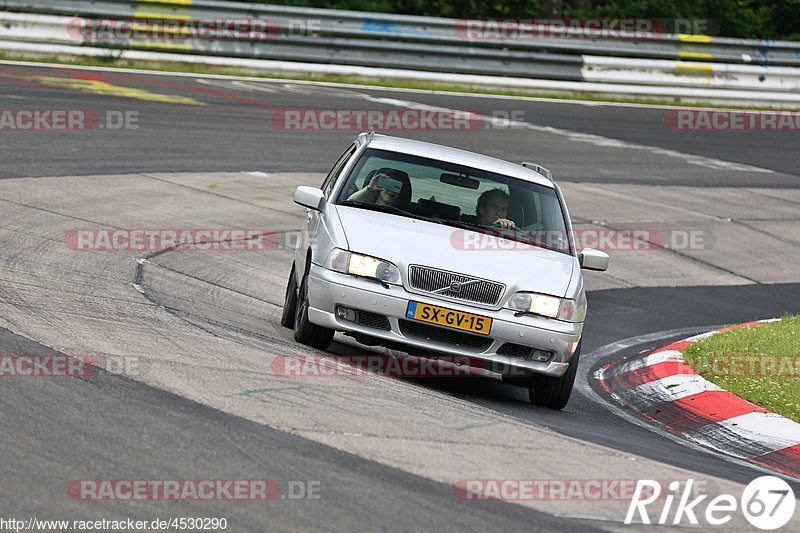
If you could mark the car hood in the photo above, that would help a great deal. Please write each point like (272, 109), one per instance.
(406, 241)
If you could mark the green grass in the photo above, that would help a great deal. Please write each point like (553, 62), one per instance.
(113, 61)
(771, 380)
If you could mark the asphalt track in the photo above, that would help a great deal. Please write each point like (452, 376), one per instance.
(232, 131)
(107, 424)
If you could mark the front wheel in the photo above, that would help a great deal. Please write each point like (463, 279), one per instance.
(304, 331)
(554, 392)
(290, 301)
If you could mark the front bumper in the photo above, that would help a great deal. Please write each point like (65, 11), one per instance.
(328, 289)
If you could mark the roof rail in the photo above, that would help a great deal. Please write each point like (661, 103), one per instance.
(366, 136)
(539, 169)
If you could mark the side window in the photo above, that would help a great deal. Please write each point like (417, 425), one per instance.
(333, 175)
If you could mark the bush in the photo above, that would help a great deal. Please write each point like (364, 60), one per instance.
(753, 19)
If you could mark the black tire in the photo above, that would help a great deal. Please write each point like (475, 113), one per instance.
(289, 301)
(304, 331)
(554, 392)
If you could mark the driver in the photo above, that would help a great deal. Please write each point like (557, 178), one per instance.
(375, 195)
(492, 209)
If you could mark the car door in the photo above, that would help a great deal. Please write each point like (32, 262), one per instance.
(315, 218)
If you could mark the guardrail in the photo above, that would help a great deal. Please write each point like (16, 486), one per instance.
(408, 43)
(426, 30)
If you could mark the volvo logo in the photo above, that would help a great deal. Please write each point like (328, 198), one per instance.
(456, 286)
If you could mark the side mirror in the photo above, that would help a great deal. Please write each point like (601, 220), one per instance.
(591, 259)
(309, 197)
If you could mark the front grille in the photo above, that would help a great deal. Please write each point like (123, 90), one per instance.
(514, 350)
(440, 282)
(446, 336)
(373, 320)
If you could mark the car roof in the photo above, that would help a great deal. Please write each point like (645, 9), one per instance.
(460, 157)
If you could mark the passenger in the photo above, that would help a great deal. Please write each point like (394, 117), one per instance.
(492, 209)
(373, 194)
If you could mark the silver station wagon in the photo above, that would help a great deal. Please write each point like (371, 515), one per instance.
(437, 251)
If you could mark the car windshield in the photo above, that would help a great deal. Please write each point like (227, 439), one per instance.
(458, 196)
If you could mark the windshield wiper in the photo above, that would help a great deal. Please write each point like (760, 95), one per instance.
(489, 230)
(384, 209)
(462, 225)
(514, 234)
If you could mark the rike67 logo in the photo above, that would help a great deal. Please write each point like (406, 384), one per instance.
(767, 503)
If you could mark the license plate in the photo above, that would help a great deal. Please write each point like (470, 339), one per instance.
(449, 318)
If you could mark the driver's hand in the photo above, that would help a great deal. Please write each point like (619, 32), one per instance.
(504, 223)
(373, 183)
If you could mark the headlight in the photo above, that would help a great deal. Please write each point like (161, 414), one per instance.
(550, 306)
(362, 265)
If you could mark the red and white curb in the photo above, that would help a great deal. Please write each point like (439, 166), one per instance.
(663, 388)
